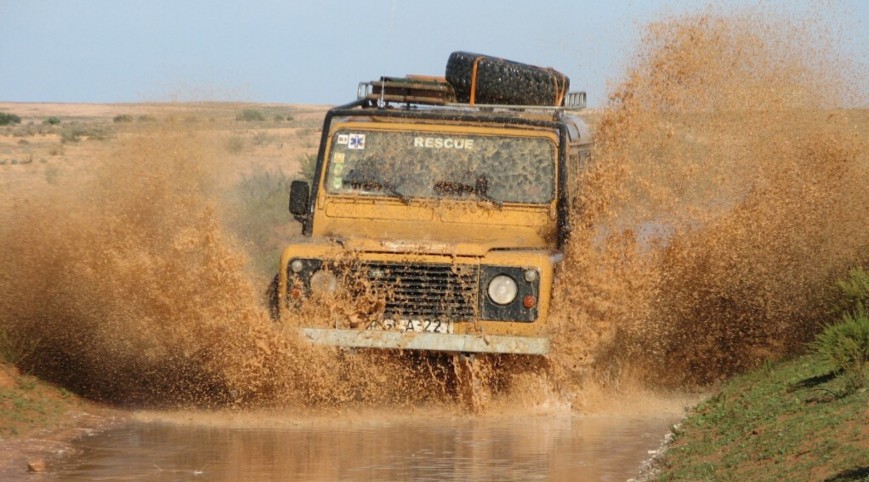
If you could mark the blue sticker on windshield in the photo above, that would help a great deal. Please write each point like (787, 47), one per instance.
(356, 141)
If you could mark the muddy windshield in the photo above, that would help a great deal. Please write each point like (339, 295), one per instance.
(439, 165)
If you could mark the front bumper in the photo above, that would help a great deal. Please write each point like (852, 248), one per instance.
(397, 340)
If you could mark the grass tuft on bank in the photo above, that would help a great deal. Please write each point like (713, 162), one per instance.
(28, 405)
(796, 420)
(802, 419)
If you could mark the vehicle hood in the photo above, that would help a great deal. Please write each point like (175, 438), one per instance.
(478, 243)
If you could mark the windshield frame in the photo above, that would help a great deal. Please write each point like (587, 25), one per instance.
(470, 189)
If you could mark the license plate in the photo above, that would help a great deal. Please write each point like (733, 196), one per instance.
(419, 326)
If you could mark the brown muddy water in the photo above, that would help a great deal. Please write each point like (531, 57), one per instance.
(398, 447)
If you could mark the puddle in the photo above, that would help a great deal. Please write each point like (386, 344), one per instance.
(563, 447)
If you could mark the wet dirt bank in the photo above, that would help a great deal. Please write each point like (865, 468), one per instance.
(42, 449)
(39, 423)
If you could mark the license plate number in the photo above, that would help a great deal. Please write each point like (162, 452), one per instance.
(418, 326)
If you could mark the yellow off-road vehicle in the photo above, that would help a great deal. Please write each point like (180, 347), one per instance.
(441, 222)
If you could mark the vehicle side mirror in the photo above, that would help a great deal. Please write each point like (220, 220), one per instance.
(299, 194)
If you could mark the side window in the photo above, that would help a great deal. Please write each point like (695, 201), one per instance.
(578, 160)
(575, 162)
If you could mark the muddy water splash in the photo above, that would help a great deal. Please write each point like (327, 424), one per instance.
(134, 293)
(727, 191)
(127, 284)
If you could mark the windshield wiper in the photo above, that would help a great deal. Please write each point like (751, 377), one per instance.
(367, 175)
(371, 183)
(391, 189)
(480, 188)
(498, 204)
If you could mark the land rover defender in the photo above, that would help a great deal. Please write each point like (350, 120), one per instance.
(444, 216)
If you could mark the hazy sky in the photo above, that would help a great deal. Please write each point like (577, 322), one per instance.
(317, 51)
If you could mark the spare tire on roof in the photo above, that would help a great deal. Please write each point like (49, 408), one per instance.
(483, 79)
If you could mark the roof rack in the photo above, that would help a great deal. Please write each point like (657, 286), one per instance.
(575, 100)
(572, 101)
(429, 90)
(413, 89)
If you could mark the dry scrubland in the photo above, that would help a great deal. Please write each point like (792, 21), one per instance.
(257, 150)
(53, 141)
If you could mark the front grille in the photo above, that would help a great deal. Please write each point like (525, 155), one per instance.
(424, 291)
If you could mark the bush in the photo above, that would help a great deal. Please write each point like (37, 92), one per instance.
(853, 292)
(14, 349)
(123, 118)
(845, 346)
(263, 139)
(52, 174)
(234, 145)
(75, 133)
(53, 121)
(248, 115)
(260, 208)
(72, 134)
(9, 119)
(307, 167)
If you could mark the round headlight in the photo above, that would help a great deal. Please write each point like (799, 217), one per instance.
(324, 282)
(531, 275)
(297, 265)
(502, 289)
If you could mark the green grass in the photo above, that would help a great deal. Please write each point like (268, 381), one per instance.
(30, 405)
(791, 421)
